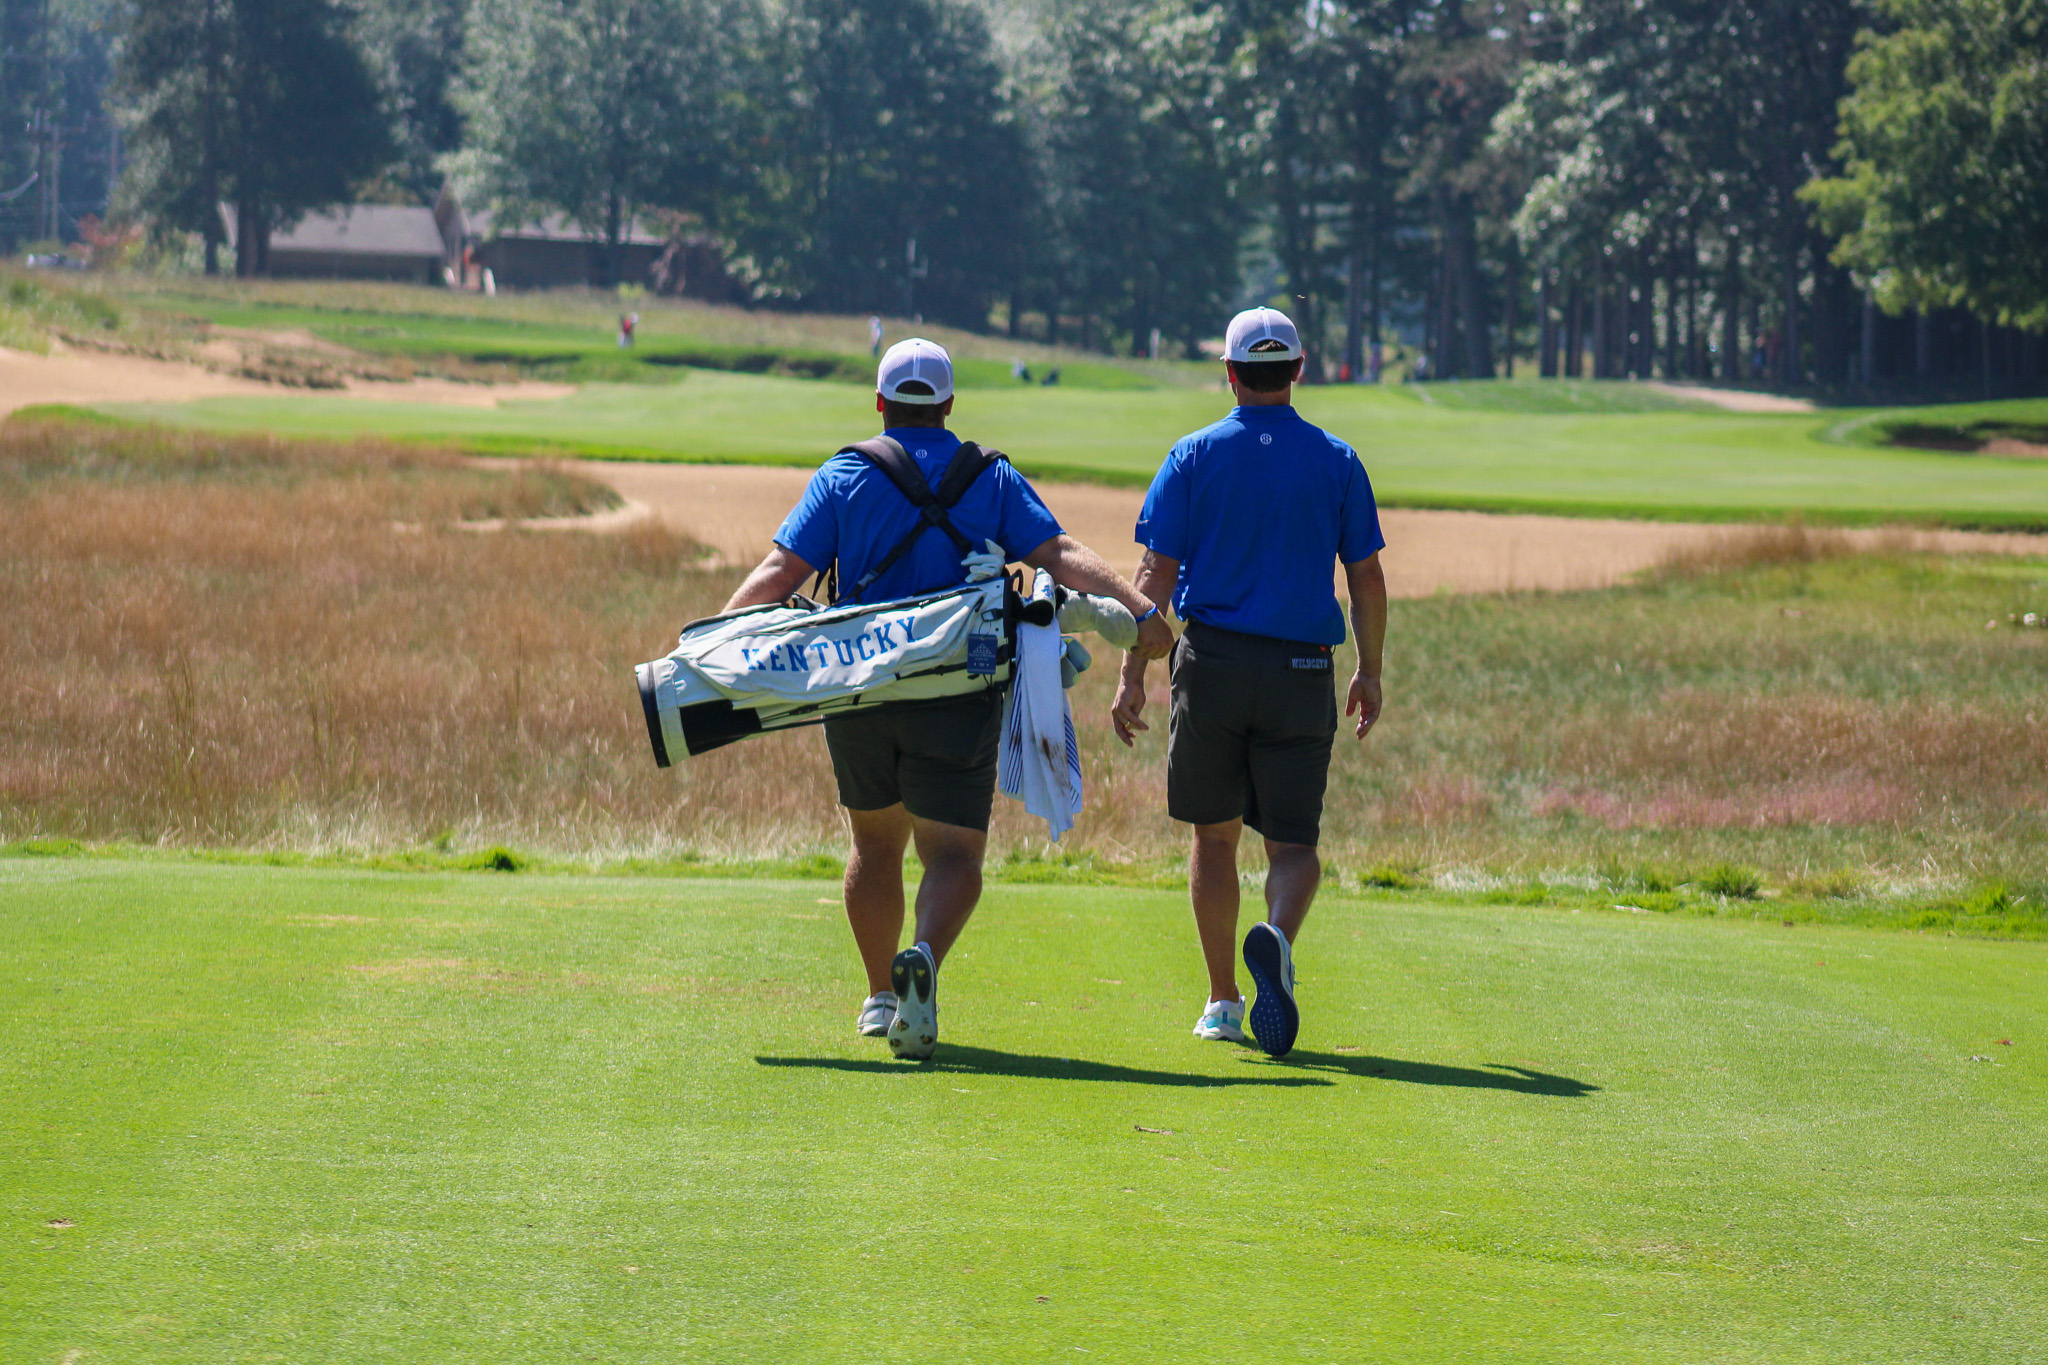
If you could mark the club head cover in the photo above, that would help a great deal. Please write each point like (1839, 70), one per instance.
(1107, 617)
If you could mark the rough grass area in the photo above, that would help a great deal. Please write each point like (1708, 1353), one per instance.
(37, 306)
(253, 1113)
(283, 646)
(1776, 703)
(571, 333)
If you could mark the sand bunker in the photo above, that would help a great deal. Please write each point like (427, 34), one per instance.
(734, 509)
(93, 377)
(99, 377)
(1733, 400)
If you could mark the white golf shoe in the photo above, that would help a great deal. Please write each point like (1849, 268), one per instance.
(875, 1013)
(1221, 1022)
(914, 1032)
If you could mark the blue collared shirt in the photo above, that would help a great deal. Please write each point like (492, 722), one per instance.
(852, 513)
(1259, 509)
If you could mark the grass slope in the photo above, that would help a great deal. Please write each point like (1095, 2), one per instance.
(570, 334)
(1495, 446)
(349, 1117)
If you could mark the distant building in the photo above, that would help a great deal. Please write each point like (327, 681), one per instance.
(546, 254)
(555, 251)
(356, 242)
(401, 242)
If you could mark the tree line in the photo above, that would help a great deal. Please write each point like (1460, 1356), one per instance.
(1796, 191)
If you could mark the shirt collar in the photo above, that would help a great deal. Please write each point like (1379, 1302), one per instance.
(1265, 412)
(908, 437)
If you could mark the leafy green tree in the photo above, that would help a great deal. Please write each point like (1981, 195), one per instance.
(264, 104)
(1668, 141)
(1138, 125)
(898, 180)
(595, 109)
(56, 146)
(414, 48)
(1459, 70)
(1944, 199)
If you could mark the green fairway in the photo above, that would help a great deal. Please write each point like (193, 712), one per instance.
(572, 336)
(266, 1114)
(1559, 447)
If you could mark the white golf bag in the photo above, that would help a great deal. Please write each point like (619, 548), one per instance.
(796, 663)
(774, 668)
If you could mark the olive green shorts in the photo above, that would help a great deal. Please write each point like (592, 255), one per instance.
(937, 758)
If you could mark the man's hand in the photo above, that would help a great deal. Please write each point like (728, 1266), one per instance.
(1365, 700)
(1155, 638)
(1127, 714)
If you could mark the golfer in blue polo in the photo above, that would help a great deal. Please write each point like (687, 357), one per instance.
(1243, 528)
(925, 774)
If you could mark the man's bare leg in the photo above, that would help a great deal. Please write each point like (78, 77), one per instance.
(1293, 873)
(951, 888)
(874, 888)
(1212, 886)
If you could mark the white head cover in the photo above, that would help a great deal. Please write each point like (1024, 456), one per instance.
(916, 361)
(1259, 334)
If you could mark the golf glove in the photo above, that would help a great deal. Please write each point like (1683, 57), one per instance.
(985, 565)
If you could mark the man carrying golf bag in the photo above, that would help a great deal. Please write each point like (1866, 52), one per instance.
(924, 772)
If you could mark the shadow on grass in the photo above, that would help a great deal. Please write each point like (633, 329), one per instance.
(1492, 1076)
(983, 1061)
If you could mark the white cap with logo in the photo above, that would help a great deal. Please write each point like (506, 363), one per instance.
(1260, 334)
(915, 371)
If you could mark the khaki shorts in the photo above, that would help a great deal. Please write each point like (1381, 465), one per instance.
(937, 758)
(1253, 722)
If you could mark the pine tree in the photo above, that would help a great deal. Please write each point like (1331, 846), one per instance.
(598, 110)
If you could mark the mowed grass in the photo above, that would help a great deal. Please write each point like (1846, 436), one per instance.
(255, 1113)
(572, 333)
(1528, 445)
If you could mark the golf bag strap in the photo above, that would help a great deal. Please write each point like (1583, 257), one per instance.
(884, 453)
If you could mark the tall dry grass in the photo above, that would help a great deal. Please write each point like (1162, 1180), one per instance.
(267, 643)
(248, 641)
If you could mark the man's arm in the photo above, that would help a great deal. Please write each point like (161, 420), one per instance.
(1368, 586)
(1158, 576)
(772, 580)
(1074, 565)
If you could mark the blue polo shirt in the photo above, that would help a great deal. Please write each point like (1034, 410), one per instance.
(1259, 509)
(852, 513)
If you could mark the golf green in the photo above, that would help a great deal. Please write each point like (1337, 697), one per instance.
(1609, 449)
(255, 1113)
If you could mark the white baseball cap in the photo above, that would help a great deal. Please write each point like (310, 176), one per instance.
(1261, 334)
(916, 361)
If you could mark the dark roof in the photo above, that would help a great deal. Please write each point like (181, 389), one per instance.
(369, 229)
(555, 227)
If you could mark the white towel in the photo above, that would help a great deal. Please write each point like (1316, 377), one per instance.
(1040, 760)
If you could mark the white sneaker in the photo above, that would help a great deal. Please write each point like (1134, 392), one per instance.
(875, 1013)
(914, 1032)
(1222, 1022)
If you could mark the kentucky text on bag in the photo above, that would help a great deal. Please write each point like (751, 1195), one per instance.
(773, 668)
